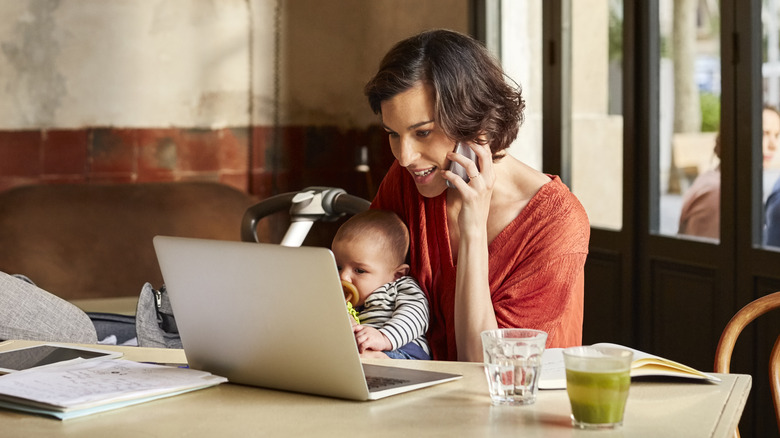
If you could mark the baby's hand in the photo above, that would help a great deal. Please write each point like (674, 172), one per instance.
(369, 338)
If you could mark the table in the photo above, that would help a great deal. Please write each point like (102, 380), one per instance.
(455, 409)
(117, 305)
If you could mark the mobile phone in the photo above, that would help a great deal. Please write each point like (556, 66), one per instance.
(456, 168)
(47, 354)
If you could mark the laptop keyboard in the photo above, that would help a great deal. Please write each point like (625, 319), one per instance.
(375, 382)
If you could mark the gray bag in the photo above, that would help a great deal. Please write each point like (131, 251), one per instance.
(155, 325)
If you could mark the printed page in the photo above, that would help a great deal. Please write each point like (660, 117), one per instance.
(85, 384)
(553, 375)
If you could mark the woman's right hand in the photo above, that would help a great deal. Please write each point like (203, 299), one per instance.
(475, 194)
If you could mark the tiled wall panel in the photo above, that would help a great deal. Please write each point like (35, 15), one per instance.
(260, 160)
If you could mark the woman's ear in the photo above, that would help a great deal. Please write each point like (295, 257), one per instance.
(401, 271)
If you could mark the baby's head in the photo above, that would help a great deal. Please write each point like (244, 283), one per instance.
(370, 250)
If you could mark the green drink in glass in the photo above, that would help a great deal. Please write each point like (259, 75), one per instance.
(597, 381)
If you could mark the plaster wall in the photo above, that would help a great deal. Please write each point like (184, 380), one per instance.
(77, 63)
(331, 49)
(163, 63)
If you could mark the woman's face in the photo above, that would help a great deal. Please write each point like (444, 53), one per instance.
(771, 127)
(419, 145)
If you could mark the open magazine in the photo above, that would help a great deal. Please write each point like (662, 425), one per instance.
(553, 374)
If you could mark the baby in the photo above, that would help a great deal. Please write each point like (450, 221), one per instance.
(370, 250)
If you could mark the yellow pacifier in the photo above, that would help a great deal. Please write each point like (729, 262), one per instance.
(351, 295)
(350, 292)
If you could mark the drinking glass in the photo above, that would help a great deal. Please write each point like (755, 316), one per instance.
(597, 381)
(513, 362)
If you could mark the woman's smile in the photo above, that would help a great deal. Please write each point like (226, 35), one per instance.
(422, 176)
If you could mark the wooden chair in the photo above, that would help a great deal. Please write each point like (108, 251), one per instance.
(87, 241)
(728, 338)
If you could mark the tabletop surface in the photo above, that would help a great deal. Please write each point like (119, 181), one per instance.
(118, 305)
(460, 408)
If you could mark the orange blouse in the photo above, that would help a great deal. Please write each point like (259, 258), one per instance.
(536, 263)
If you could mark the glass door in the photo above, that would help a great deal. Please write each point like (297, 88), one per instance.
(689, 150)
(596, 111)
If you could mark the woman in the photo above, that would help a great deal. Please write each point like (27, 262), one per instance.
(506, 248)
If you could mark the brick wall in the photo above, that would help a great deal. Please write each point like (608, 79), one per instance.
(262, 161)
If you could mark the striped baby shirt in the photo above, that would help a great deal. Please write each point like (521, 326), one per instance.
(399, 310)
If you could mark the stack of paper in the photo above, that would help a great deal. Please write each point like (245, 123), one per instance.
(85, 387)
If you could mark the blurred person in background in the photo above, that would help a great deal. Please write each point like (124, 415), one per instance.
(700, 214)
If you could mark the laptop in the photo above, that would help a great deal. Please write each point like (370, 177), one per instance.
(274, 317)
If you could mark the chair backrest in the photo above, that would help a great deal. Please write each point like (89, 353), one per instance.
(82, 241)
(728, 338)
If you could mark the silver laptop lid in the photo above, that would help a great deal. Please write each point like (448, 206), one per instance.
(258, 314)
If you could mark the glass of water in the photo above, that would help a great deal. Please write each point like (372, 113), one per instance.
(513, 363)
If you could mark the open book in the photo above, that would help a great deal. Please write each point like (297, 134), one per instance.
(554, 372)
(84, 387)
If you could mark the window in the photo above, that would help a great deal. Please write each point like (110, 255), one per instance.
(690, 81)
(596, 113)
(770, 18)
(596, 109)
(521, 57)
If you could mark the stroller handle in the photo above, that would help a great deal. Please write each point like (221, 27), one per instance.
(306, 207)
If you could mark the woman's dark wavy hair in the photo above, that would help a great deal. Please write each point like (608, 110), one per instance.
(473, 97)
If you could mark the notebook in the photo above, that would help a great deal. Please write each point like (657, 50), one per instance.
(272, 316)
